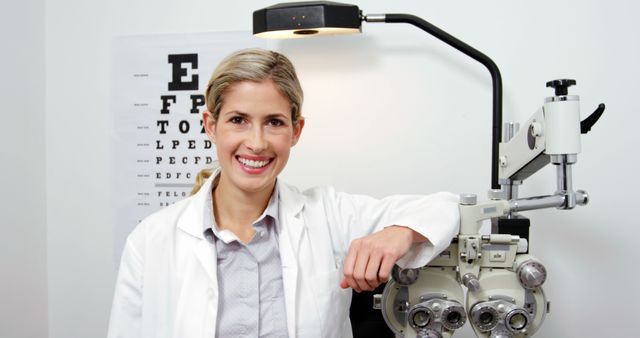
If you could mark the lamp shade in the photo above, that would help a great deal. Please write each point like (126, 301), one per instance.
(299, 19)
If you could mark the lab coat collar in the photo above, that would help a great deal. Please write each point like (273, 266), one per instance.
(291, 201)
(192, 220)
(291, 226)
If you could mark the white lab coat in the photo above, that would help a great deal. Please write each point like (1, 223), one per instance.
(167, 283)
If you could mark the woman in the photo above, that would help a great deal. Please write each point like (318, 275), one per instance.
(248, 255)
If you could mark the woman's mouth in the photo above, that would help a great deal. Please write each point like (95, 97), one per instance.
(253, 165)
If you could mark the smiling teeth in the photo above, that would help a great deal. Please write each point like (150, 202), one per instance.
(253, 164)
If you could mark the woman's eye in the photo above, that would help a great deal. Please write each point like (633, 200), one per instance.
(236, 120)
(276, 123)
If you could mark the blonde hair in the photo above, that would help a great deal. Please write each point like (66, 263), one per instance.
(200, 179)
(254, 65)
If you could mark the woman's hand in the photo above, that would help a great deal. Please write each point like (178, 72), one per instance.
(371, 258)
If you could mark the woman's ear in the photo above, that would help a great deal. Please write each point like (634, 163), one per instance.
(209, 124)
(297, 131)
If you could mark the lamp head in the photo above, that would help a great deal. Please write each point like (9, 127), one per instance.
(300, 19)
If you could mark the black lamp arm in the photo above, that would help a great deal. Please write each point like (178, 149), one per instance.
(478, 56)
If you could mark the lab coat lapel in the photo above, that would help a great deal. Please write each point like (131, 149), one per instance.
(198, 300)
(197, 309)
(191, 222)
(291, 229)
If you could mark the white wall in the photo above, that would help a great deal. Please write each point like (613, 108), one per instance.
(389, 111)
(23, 240)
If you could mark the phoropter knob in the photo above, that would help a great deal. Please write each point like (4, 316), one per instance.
(561, 85)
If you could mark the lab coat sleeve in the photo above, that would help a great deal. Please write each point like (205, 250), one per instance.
(434, 216)
(126, 311)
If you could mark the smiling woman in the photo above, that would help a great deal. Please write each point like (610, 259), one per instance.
(248, 255)
(253, 133)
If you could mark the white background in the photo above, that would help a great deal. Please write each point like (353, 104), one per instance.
(392, 110)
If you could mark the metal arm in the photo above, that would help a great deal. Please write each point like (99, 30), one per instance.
(496, 78)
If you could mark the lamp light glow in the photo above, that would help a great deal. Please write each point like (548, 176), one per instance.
(302, 19)
(303, 33)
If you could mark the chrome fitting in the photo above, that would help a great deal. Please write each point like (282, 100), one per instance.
(468, 199)
(374, 17)
(582, 197)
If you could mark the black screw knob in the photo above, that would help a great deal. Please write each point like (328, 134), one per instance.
(561, 85)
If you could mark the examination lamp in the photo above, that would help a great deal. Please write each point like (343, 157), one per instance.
(302, 19)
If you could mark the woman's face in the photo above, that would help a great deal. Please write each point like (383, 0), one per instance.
(253, 135)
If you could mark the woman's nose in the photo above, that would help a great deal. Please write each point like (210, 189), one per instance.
(256, 140)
